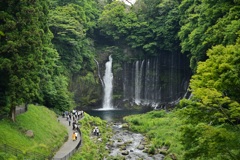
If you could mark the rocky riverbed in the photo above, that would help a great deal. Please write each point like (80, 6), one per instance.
(129, 145)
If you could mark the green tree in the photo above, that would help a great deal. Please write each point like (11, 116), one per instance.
(205, 23)
(116, 21)
(23, 25)
(69, 25)
(54, 85)
(212, 114)
(73, 26)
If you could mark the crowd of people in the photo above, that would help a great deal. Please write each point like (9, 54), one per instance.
(72, 118)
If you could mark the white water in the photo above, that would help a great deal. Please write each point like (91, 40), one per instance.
(108, 86)
(99, 75)
(137, 86)
(138, 82)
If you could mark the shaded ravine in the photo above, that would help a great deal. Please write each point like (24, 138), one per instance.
(130, 145)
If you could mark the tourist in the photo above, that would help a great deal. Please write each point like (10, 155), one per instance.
(73, 136)
(97, 131)
(73, 125)
(76, 126)
(69, 122)
(76, 135)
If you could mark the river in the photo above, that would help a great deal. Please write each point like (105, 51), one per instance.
(115, 115)
(124, 143)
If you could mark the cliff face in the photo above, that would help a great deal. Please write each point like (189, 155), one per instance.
(156, 81)
(153, 81)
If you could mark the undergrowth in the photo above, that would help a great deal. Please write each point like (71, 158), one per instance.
(161, 128)
(93, 147)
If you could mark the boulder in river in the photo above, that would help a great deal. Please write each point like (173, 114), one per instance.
(125, 153)
(140, 147)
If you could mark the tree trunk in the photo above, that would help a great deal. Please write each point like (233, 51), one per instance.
(13, 113)
(26, 107)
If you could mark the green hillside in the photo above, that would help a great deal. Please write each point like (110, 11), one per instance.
(48, 133)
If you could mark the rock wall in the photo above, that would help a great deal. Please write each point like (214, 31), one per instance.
(152, 81)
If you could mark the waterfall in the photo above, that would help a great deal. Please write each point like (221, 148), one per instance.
(108, 87)
(147, 83)
(156, 81)
(138, 82)
(99, 75)
(137, 87)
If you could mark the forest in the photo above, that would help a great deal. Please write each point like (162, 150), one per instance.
(48, 49)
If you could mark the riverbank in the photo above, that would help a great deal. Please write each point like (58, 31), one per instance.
(125, 144)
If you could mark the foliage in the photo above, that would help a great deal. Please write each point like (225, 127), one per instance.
(92, 147)
(72, 24)
(24, 29)
(211, 116)
(56, 95)
(148, 26)
(28, 60)
(68, 34)
(87, 90)
(161, 18)
(203, 141)
(219, 77)
(48, 134)
(161, 128)
(205, 24)
(116, 21)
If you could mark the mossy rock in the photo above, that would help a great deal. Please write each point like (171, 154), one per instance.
(125, 125)
(163, 151)
(123, 147)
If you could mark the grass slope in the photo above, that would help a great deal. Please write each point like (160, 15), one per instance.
(48, 133)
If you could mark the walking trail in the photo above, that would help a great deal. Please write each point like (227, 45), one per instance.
(69, 145)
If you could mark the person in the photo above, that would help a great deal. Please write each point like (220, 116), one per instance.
(76, 135)
(75, 126)
(73, 136)
(69, 122)
(97, 131)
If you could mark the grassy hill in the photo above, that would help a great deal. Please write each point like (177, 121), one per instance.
(48, 134)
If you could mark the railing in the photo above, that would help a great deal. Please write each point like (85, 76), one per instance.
(18, 110)
(18, 153)
(21, 109)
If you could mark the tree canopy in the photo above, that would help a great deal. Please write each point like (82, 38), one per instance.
(23, 27)
(214, 107)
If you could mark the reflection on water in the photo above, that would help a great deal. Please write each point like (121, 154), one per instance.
(114, 115)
